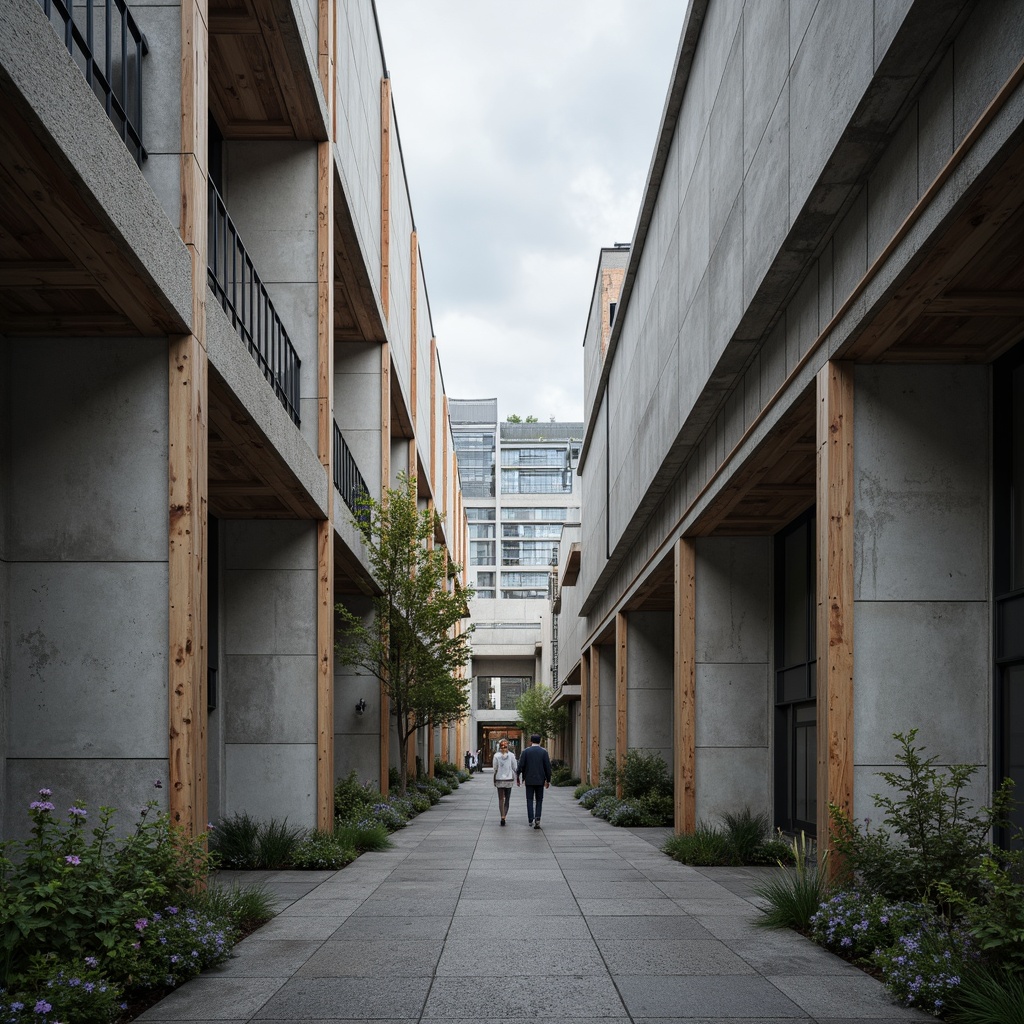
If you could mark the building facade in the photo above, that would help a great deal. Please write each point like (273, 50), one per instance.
(802, 448)
(214, 337)
(520, 489)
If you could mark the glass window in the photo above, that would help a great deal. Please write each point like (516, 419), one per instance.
(477, 514)
(529, 552)
(481, 529)
(526, 595)
(522, 514)
(525, 579)
(552, 531)
(485, 579)
(481, 552)
(533, 457)
(536, 481)
(485, 593)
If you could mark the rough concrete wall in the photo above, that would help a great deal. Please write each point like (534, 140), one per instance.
(269, 687)
(356, 737)
(922, 638)
(270, 191)
(649, 684)
(86, 543)
(733, 678)
(399, 324)
(594, 505)
(360, 68)
(215, 722)
(5, 598)
(357, 407)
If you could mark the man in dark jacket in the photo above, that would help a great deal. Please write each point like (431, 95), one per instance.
(535, 770)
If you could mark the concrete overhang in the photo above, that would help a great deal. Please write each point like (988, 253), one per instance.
(571, 572)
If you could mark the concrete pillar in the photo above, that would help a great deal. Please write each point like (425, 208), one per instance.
(606, 705)
(922, 643)
(732, 765)
(270, 685)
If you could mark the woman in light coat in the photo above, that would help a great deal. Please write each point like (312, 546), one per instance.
(504, 764)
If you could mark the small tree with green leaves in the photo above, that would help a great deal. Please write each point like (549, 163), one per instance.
(536, 713)
(411, 645)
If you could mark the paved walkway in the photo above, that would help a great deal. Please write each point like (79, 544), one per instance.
(464, 921)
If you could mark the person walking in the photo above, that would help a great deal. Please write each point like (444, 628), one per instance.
(534, 769)
(504, 764)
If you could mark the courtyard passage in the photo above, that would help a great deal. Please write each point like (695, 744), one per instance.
(464, 921)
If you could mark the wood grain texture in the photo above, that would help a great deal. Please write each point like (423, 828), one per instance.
(584, 765)
(685, 685)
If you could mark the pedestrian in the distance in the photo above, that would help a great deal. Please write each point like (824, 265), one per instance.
(534, 770)
(505, 766)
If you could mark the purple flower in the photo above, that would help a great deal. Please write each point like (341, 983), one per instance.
(43, 1007)
(17, 1006)
(74, 982)
(171, 910)
(88, 986)
(78, 812)
(91, 961)
(46, 792)
(73, 860)
(41, 805)
(158, 784)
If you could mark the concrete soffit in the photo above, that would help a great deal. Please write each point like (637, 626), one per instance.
(923, 38)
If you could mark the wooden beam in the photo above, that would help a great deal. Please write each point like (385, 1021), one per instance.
(584, 712)
(44, 275)
(385, 196)
(684, 701)
(835, 387)
(621, 681)
(595, 714)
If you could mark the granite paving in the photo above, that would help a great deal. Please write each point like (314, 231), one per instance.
(464, 921)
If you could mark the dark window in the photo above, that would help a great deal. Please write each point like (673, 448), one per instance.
(796, 790)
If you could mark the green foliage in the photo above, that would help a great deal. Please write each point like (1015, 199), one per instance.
(363, 836)
(794, 895)
(642, 774)
(746, 833)
(536, 715)
(352, 798)
(583, 787)
(604, 806)
(705, 846)
(323, 851)
(410, 645)
(855, 923)
(420, 801)
(563, 776)
(449, 772)
(73, 892)
(432, 795)
(73, 990)
(989, 997)
(931, 834)
(246, 906)
(243, 843)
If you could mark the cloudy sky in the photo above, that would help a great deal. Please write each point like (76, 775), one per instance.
(527, 131)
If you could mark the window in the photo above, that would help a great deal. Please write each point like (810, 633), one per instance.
(486, 593)
(475, 450)
(536, 481)
(525, 579)
(796, 715)
(529, 552)
(525, 514)
(478, 514)
(533, 457)
(485, 579)
(481, 552)
(481, 529)
(552, 531)
(525, 595)
(500, 693)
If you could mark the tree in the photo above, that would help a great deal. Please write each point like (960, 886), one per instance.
(411, 644)
(536, 713)
(516, 418)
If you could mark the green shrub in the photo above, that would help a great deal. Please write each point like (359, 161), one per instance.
(447, 771)
(591, 796)
(353, 798)
(322, 851)
(562, 776)
(705, 846)
(855, 923)
(795, 894)
(931, 835)
(364, 836)
(746, 833)
(583, 787)
(989, 997)
(245, 906)
(774, 850)
(245, 844)
(604, 806)
(420, 801)
(432, 795)
(73, 990)
(643, 774)
(657, 810)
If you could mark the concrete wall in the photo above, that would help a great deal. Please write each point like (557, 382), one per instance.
(357, 407)
(733, 766)
(356, 737)
(270, 190)
(922, 636)
(269, 687)
(606, 702)
(5, 597)
(649, 684)
(85, 531)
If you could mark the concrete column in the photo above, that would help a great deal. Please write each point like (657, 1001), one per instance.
(649, 684)
(922, 643)
(732, 765)
(606, 705)
(270, 685)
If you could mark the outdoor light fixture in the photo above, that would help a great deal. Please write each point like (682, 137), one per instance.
(361, 706)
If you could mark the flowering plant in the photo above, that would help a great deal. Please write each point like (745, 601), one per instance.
(63, 990)
(856, 923)
(925, 967)
(176, 944)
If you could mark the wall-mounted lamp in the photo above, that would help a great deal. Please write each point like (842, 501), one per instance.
(361, 706)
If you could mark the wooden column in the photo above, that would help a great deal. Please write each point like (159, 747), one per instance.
(584, 714)
(595, 715)
(835, 593)
(684, 706)
(385, 196)
(433, 418)
(325, 528)
(385, 483)
(187, 473)
(621, 678)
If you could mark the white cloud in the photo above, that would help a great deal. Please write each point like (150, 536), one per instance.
(527, 132)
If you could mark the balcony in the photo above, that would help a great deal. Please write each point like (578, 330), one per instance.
(347, 478)
(108, 46)
(243, 297)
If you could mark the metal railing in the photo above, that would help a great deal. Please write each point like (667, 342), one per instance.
(347, 478)
(110, 56)
(236, 284)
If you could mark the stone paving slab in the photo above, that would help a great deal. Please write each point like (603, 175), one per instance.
(464, 921)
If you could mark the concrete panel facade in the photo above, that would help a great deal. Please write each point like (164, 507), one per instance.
(649, 684)
(732, 628)
(606, 703)
(356, 736)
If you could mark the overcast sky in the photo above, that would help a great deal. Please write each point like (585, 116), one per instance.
(527, 131)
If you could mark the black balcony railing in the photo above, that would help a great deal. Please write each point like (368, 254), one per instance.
(108, 46)
(349, 481)
(236, 284)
